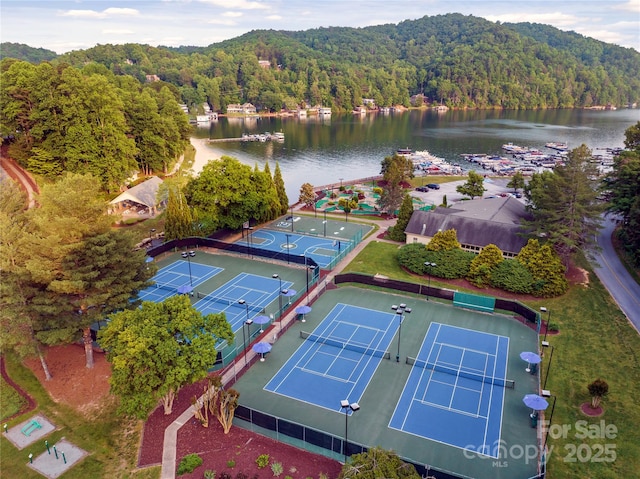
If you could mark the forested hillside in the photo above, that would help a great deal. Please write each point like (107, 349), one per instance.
(461, 61)
(20, 51)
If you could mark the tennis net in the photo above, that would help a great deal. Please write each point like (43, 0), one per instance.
(338, 343)
(507, 383)
(232, 302)
(166, 287)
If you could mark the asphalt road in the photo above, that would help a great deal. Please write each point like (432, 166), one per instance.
(622, 287)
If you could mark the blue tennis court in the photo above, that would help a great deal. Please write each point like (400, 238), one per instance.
(170, 278)
(455, 391)
(258, 292)
(321, 250)
(338, 359)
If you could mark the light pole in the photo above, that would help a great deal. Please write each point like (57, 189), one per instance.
(188, 256)
(545, 345)
(277, 276)
(341, 184)
(547, 394)
(400, 311)
(287, 235)
(546, 330)
(344, 404)
(244, 338)
(325, 223)
(429, 265)
(151, 231)
(292, 218)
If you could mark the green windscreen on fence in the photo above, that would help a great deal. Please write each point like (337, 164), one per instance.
(473, 301)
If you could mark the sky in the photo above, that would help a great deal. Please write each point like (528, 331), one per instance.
(66, 25)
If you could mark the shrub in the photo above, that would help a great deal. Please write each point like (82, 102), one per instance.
(483, 265)
(189, 463)
(553, 327)
(598, 389)
(209, 474)
(276, 468)
(231, 463)
(511, 275)
(262, 461)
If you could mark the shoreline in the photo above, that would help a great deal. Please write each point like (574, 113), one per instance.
(203, 155)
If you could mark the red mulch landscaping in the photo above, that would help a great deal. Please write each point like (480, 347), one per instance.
(85, 389)
(587, 410)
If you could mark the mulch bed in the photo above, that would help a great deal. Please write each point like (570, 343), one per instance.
(587, 410)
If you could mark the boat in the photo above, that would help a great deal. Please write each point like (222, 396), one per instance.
(278, 136)
(554, 145)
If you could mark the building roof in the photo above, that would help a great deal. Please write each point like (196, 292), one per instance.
(144, 193)
(477, 223)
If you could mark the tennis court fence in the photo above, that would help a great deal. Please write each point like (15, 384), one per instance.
(356, 347)
(230, 302)
(507, 383)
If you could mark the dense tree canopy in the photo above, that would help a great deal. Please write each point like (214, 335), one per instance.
(457, 60)
(64, 119)
(156, 349)
(564, 204)
(227, 193)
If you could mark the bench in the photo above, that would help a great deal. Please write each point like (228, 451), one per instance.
(30, 427)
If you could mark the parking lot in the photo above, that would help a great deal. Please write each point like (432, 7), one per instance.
(494, 187)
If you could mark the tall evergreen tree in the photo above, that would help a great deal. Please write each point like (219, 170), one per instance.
(397, 233)
(280, 190)
(564, 204)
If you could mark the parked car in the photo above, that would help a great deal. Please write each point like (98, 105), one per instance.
(434, 186)
(424, 189)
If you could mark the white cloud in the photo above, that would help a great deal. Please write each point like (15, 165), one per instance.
(220, 21)
(630, 6)
(557, 19)
(109, 12)
(237, 4)
(274, 17)
(232, 14)
(116, 31)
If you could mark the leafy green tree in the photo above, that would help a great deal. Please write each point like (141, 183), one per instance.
(516, 182)
(483, 265)
(157, 349)
(307, 195)
(564, 204)
(396, 170)
(16, 317)
(178, 219)
(396, 232)
(227, 193)
(377, 463)
(444, 241)
(623, 186)
(280, 189)
(473, 187)
(546, 268)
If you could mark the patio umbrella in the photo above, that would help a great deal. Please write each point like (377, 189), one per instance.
(535, 402)
(148, 259)
(531, 358)
(304, 309)
(262, 348)
(185, 289)
(262, 319)
(288, 293)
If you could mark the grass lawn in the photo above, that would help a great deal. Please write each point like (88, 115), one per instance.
(112, 442)
(595, 341)
(10, 401)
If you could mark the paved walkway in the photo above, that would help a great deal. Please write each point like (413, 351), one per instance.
(169, 450)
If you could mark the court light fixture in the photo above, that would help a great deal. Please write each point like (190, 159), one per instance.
(188, 255)
(344, 404)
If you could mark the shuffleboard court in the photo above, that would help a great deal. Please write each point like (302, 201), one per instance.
(257, 292)
(177, 274)
(455, 391)
(338, 359)
(321, 250)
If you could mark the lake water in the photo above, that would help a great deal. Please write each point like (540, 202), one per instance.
(323, 150)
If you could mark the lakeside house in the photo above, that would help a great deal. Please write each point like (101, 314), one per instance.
(478, 223)
(244, 109)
